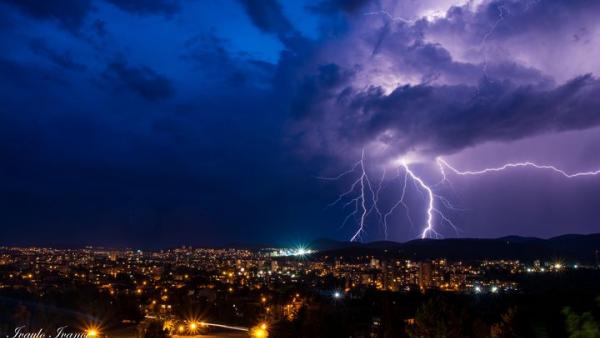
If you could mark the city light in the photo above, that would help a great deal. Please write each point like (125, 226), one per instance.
(92, 332)
(369, 273)
(193, 326)
(298, 252)
(260, 331)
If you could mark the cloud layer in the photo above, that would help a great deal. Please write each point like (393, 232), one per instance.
(448, 79)
(161, 119)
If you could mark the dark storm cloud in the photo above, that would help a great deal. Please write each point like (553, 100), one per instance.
(69, 13)
(318, 89)
(142, 80)
(95, 165)
(442, 119)
(210, 153)
(502, 20)
(267, 15)
(328, 7)
(209, 55)
(28, 77)
(64, 60)
(142, 7)
(438, 85)
(431, 62)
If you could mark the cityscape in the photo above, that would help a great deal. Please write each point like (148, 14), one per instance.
(299, 168)
(260, 292)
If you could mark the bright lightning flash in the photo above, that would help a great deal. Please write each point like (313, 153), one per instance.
(432, 210)
(365, 198)
(364, 195)
(430, 204)
(443, 164)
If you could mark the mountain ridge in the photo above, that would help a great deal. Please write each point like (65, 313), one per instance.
(569, 247)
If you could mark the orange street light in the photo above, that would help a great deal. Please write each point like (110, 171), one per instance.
(193, 326)
(260, 331)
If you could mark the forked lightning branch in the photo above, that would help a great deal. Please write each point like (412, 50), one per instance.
(363, 196)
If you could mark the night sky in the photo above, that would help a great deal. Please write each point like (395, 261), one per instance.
(170, 122)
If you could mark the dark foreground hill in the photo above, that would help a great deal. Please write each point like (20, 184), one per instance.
(568, 248)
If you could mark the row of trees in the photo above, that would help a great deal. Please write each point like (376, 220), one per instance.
(441, 316)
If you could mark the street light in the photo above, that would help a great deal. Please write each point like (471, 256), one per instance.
(92, 333)
(260, 331)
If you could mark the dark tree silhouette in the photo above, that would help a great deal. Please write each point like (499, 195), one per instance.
(582, 325)
(155, 330)
(438, 318)
(507, 327)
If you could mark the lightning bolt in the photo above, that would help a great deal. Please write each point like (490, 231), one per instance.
(432, 198)
(443, 164)
(430, 201)
(365, 199)
(398, 203)
(501, 11)
(432, 209)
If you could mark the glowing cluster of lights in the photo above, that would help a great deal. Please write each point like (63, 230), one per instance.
(298, 252)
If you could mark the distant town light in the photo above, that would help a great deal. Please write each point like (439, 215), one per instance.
(299, 251)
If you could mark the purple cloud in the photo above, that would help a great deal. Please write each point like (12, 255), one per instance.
(446, 79)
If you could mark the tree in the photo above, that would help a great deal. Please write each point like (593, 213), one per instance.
(581, 325)
(438, 318)
(507, 327)
(155, 330)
